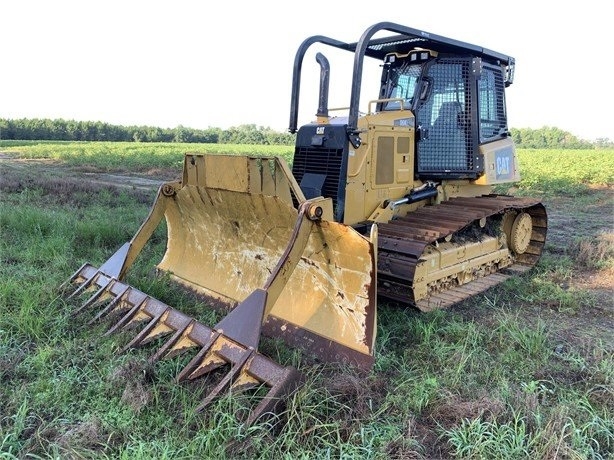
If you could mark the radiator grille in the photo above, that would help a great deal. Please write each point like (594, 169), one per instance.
(320, 161)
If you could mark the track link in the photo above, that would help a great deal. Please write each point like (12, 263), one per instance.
(403, 242)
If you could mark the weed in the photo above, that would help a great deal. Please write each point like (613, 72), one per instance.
(596, 253)
(493, 440)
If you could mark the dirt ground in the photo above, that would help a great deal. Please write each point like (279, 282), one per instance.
(594, 223)
(11, 168)
(569, 220)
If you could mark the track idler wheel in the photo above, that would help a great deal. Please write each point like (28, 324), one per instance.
(520, 234)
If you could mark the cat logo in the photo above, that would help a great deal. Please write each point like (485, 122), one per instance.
(320, 130)
(503, 166)
(504, 163)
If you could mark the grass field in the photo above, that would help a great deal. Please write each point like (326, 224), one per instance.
(525, 370)
(132, 156)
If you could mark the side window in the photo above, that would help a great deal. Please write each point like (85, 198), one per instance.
(406, 86)
(452, 94)
(402, 85)
(491, 99)
(447, 86)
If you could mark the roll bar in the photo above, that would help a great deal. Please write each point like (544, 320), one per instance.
(405, 40)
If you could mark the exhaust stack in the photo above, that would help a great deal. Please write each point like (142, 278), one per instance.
(324, 85)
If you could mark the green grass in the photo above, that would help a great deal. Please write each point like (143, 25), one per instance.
(544, 172)
(132, 156)
(563, 172)
(495, 377)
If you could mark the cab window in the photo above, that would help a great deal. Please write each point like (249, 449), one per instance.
(402, 85)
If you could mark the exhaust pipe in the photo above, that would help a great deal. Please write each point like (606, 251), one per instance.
(324, 84)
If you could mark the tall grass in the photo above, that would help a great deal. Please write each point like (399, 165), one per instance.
(499, 376)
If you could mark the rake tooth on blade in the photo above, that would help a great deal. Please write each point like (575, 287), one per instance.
(222, 351)
(285, 383)
(164, 349)
(171, 321)
(210, 362)
(99, 296)
(111, 306)
(227, 380)
(155, 322)
(245, 381)
(85, 285)
(160, 329)
(186, 340)
(68, 283)
(196, 360)
(126, 318)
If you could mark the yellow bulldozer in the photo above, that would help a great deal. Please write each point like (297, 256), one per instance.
(394, 204)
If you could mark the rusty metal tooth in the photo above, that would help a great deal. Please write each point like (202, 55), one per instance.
(211, 361)
(195, 335)
(104, 289)
(126, 318)
(165, 350)
(70, 281)
(235, 369)
(85, 285)
(285, 383)
(196, 360)
(110, 306)
(136, 341)
(245, 380)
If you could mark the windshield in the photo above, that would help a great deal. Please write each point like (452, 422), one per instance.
(402, 82)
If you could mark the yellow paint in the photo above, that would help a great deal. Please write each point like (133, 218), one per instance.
(227, 232)
(459, 262)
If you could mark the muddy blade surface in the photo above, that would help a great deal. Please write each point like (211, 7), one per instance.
(230, 223)
(211, 348)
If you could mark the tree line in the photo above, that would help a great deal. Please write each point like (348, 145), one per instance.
(549, 137)
(71, 130)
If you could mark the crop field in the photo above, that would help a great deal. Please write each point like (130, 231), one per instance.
(522, 371)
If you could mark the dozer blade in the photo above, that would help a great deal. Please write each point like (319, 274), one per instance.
(241, 232)
(229, 225)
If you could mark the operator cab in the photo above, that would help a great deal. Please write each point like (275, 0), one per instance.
(458, 103)
(454, 121)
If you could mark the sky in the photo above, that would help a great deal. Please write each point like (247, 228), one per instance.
(204, 64)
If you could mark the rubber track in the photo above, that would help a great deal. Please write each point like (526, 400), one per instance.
(402, 242)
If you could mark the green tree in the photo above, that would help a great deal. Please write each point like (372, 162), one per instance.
(547, 137)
